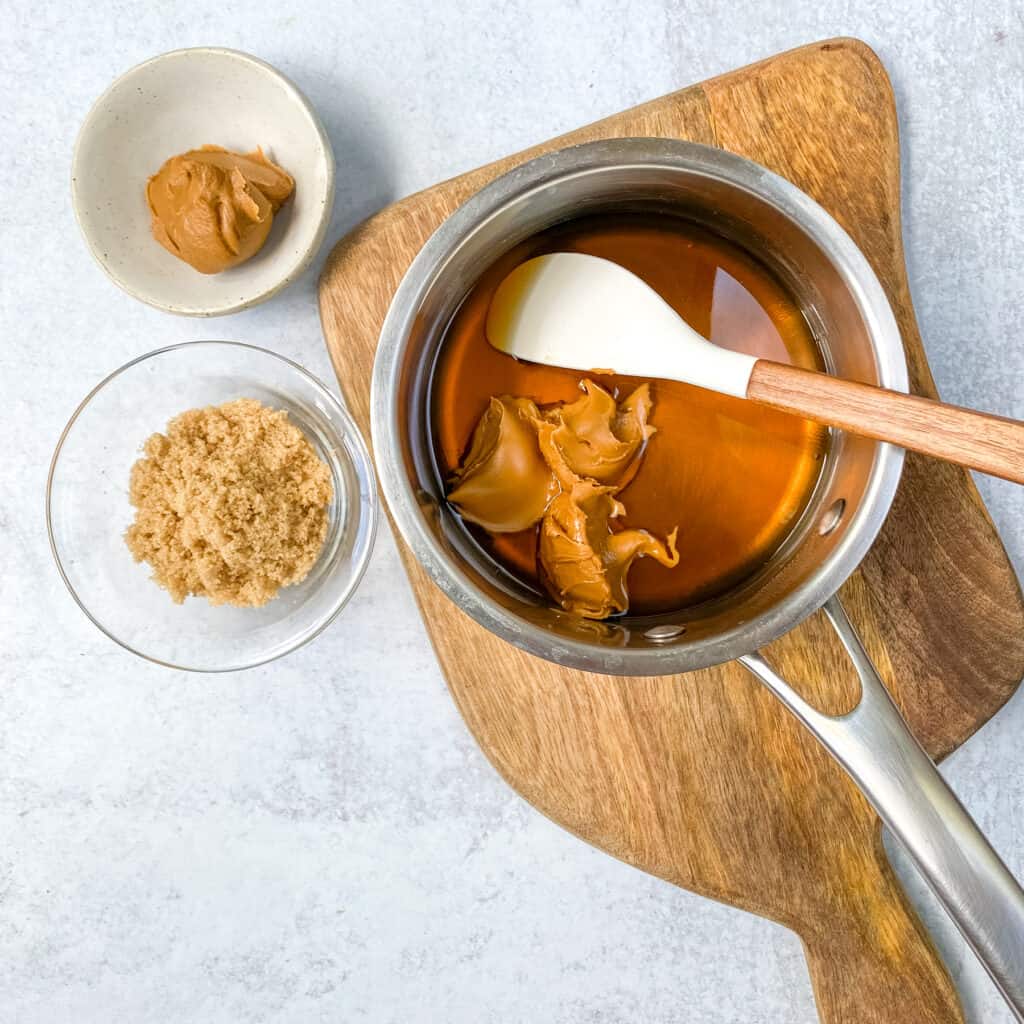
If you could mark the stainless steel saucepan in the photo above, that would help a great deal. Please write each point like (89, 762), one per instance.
(859, 338)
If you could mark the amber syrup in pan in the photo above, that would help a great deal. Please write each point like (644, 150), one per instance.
(733, 476)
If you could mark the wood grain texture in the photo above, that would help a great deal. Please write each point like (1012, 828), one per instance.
(704, 779)
(992, 444)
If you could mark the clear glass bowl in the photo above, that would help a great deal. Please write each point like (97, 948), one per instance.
(87, 507)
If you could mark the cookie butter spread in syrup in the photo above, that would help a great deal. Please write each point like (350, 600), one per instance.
(213, 208)
(560, 467)
(732, 476)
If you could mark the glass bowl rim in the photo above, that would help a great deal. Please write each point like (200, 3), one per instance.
(350, 432)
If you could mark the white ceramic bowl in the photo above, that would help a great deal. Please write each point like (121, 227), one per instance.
(176, 102)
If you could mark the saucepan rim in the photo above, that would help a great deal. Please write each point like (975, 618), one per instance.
(543, 173)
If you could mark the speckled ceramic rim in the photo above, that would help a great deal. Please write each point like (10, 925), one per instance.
(360, 554)
(542, 176)
(297, 267)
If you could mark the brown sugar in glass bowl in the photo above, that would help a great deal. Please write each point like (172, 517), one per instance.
(88, 507)
(230, 504)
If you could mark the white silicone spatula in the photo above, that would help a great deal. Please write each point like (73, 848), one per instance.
(589, 314)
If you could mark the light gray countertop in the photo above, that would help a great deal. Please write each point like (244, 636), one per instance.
(320, 839)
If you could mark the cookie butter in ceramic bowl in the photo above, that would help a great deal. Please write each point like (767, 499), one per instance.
(203, 181)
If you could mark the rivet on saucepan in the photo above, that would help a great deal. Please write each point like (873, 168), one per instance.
(830, 520)
(662, 634)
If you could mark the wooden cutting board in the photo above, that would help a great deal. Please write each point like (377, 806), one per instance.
(703, 779)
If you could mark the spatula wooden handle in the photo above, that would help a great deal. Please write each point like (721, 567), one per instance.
(991, 444)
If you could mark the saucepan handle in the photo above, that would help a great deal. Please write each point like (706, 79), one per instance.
(876, 748)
